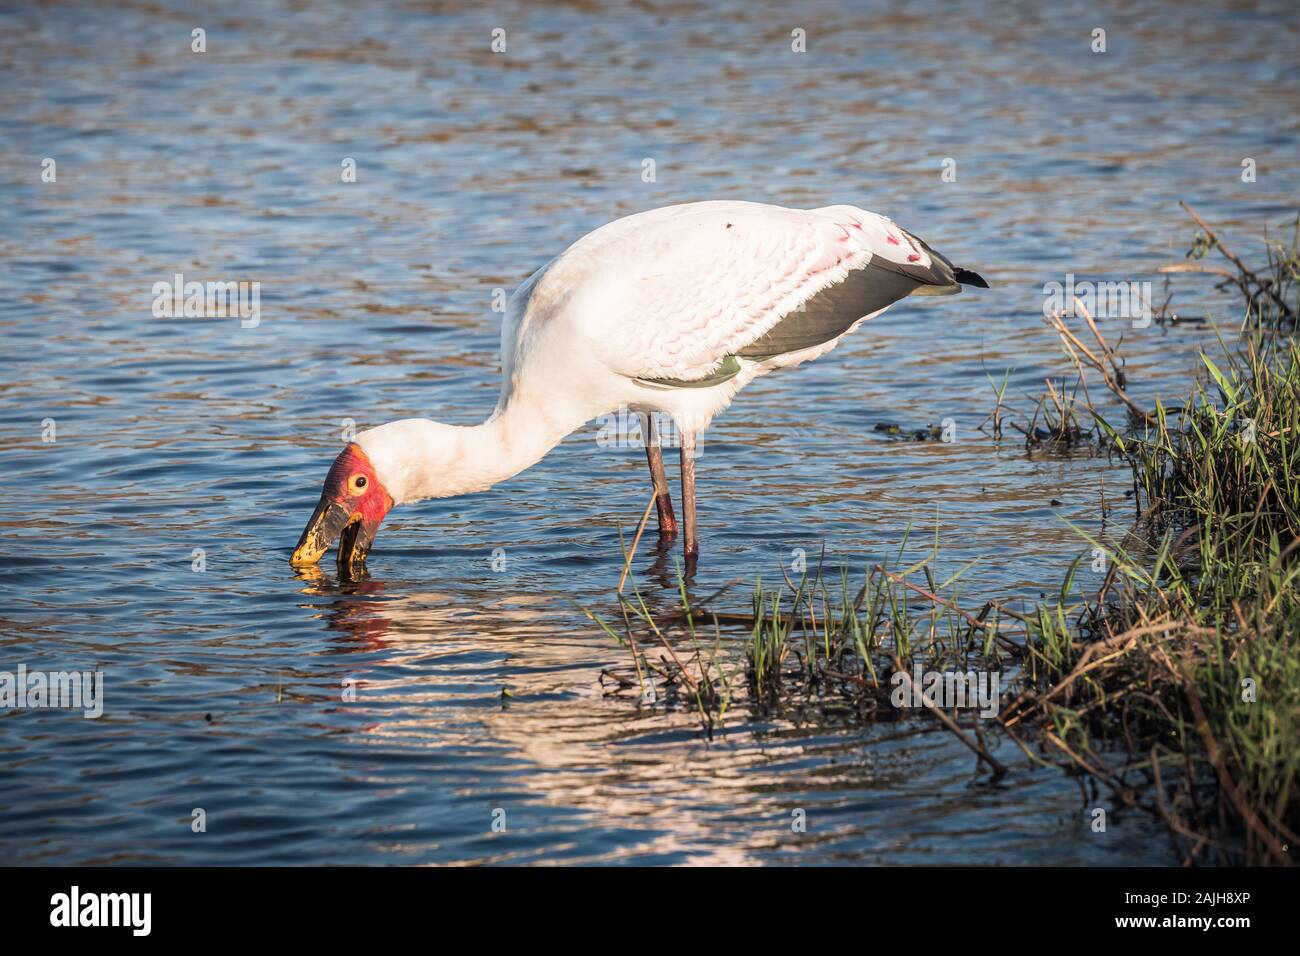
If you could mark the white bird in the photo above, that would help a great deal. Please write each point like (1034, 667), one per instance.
(674, 310)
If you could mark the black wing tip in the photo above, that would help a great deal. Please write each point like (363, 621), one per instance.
(966, 277)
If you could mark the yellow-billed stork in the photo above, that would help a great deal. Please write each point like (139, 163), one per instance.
(674, 310)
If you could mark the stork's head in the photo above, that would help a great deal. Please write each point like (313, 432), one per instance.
(352, 505)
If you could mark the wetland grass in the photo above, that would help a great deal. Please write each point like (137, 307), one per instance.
(1175, 688)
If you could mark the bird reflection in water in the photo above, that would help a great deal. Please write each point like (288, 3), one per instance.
(355, 612)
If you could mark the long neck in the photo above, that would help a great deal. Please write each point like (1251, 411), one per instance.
(517, 436)
(417, 458)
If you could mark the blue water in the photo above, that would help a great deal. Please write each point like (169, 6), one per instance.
(225, 687)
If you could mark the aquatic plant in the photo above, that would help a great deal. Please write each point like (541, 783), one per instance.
(1175, 686)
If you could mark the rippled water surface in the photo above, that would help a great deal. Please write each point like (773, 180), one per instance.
(223, 685)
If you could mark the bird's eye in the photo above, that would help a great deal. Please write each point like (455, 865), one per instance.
(358, 482)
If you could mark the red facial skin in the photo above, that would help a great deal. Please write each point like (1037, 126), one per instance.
(371, 502)
(352, 490)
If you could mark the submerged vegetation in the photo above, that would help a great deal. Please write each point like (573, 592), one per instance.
(1175, 687)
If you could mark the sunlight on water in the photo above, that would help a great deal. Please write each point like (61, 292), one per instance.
(319, 723)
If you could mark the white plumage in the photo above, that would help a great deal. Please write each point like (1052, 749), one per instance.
(672, 310)
(671, 292)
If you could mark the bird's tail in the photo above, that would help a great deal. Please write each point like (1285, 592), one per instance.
(941, 278)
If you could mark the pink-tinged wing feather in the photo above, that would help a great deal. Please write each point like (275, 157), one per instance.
(671, 293)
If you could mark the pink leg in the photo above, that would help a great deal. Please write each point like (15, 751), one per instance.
(654, 455)
(691, 546)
